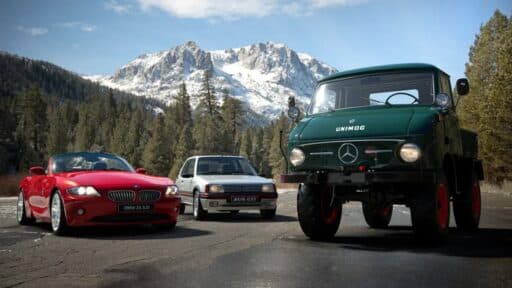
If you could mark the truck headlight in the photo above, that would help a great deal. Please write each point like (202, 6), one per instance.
(83, 191)
(267, 188)
(215, 188)
(297, 157)
(171, 191)
(410, 152)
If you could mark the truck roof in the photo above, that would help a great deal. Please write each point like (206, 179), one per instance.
(382, 68)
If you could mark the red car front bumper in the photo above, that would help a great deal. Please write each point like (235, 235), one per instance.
(92, 211)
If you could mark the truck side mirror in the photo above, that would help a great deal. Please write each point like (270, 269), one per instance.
(462, 85)
(293, 111)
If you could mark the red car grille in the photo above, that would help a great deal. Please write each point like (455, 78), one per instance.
(149, 195)
(121, 196)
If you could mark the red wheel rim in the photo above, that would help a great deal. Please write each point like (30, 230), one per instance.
(384, 211)
(329, 213)
(443, 206)
(477, 201)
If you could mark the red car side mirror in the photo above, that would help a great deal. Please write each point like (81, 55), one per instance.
(37, 170)
(141, 171)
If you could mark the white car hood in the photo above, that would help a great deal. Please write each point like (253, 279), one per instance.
(233, 179)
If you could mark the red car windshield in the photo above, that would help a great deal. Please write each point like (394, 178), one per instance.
(87, 161)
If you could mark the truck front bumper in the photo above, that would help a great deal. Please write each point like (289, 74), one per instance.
(359, 178)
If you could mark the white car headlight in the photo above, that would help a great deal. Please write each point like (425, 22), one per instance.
(410, 152)
(216, 188)
(267, 188)
(83, 191)
(297, 157)
(171, 191)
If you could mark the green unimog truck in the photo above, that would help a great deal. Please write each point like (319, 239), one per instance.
(384, 135)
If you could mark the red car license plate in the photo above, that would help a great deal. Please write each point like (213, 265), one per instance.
(135, 208)
(244, 198)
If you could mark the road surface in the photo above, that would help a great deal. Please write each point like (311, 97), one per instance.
(246, 251)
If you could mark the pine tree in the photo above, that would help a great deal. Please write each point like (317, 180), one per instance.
(246, 144)
(57, 134)
(183, 150)
(276, 159)
(487, 109)
(233, 115)
(119, 145)
(85, 129)
(208, 135)
(135, 134)
(156, 154)
(32, 127)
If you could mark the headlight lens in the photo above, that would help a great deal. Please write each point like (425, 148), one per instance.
(83, 191)
(442, 100)
(267, 188)
(215, 188)
(171, 191)
(410, 152)
(297, 157)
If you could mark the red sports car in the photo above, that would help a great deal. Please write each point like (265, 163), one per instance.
(88, 189)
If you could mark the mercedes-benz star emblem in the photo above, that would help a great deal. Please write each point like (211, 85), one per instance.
(348, 153)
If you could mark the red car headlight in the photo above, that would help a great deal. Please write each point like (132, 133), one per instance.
(83, 191)
(171, 191)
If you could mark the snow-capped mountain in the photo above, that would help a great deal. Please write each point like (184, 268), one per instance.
(261, 75)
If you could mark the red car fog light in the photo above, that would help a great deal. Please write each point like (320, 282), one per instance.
(80, 211)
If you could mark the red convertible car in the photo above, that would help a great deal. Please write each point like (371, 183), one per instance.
(88, 189)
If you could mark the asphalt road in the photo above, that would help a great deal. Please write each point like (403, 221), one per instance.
(246, 251)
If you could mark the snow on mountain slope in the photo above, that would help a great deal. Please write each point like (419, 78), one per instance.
(261, 75)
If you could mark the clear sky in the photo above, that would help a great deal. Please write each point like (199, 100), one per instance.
(99, 36)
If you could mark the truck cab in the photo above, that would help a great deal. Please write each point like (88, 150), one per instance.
(384, 135)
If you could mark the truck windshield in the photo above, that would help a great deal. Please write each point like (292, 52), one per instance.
(369, 90)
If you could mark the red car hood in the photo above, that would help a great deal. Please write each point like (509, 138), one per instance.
(107, 180)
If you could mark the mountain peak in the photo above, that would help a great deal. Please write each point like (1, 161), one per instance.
(262, 75)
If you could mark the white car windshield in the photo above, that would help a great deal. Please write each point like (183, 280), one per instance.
(224, 166)
(369, 90)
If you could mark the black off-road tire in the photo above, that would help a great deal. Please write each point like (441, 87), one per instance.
(467, 206)
(430, 210)
(377, 216)
(319, 214)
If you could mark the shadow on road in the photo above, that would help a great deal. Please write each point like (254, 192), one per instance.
(246, 218)
(130, 232)
(487, 242)
(134, 232)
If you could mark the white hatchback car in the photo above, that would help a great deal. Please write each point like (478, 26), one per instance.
(224, 184)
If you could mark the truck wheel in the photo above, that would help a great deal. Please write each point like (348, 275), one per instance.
(319, 214)
(430, 210)
(468, 205)
(198, 211)
(377, 216)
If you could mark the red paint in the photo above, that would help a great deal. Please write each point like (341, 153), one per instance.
(477, 201)
(38, 190)
(443, 206)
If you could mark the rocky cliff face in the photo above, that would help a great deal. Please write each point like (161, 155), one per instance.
(261, 75)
